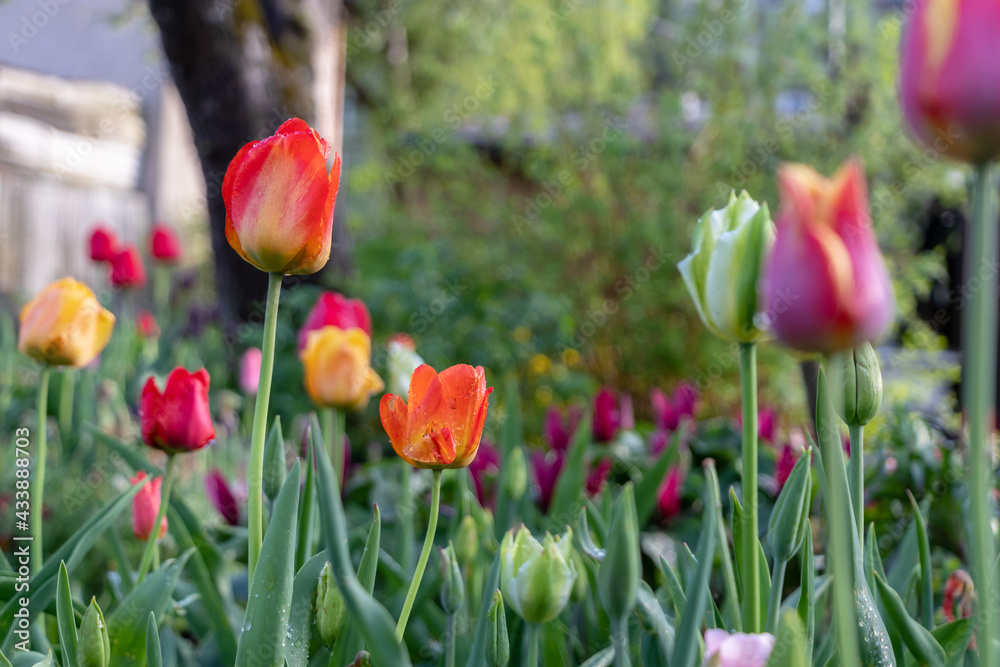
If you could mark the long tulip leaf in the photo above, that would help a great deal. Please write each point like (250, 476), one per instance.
(918, 639)
(302, 613)
(926, 582)
(154, 658)
(64, 617)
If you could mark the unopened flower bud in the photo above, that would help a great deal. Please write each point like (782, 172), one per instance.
(517, 474)
(467, 540)
(94, 647)
(497, 642)
(452, 584)
(330, 607)
(621, 569)
(537, 578)
(787, 526)
(861, 378)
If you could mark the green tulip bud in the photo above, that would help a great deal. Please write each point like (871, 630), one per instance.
(536, 578)
(452, 584)
(330, 607)
(620, 571)
(94, 647)
(861, 378)
(723, 269)
(497, 642)
(787, 526)
(275, 468)
(467, 539)
(517, 474)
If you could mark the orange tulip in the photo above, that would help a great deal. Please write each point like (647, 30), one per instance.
(444, 421)
(64, 325)
(338, 370)
(279, 198)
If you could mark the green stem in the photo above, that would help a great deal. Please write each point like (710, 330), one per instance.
(333, 422)
(728, 574)
(67, 386)
(774, 602)
(406, 516)
(449, 651)
(619, 637)
(531, 635)
(858, 477)
(424, 555)
(255, 472)
(161, 291)
(979, 340)
(748, 482)
(154, 536)
(38, 477)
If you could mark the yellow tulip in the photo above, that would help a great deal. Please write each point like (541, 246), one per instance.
(64, 325)
(338, 370)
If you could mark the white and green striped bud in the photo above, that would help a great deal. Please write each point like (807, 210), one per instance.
(536, 578)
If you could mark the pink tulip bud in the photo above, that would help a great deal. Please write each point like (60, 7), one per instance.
(669, 496)
(145, 507)
(737, 650)
(250, 371)
(826, 285)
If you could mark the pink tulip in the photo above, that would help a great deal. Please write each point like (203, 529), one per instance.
(668, 498)
(784, 463)
(559, 430)
(250, 371)
(736, 650)
(606, 416)
(949, 86)
(826, 285)
(547, 467)
(145, 507)
(598, 476)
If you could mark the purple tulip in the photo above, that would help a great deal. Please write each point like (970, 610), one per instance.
(222, 497)
(606, 416)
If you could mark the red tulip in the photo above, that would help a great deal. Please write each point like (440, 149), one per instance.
(222, 497)
(958, 596)
(179, 419)
(145, 507)
(669, 497)
(279, 198)
(164, 245)
(127, 269)
(949, 86)
(606, 416)
(785, 462)
(826, 287)
(443, 423)
(146, 325)
(103, 244)
(333, 309)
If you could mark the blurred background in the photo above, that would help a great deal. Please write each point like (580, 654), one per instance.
(520, 177)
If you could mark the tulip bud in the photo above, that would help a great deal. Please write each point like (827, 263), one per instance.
(103, 244)
(452, 584)
(338, 371)
(146, 506)
(497, 642)
(64, 325)
(336, 310)
(536, 578)
(861, 379)
(179, 418)
(250, 370)
(330, 607)
(787, 526)
(621, 569)
(467, 539)
(164, 245)
(723, 269)
(517, 474)
(275, 467)
(403, 360)
(127, 269)
(94, 647)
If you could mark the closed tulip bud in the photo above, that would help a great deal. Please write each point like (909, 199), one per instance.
(787, 526)
(163, 244)
(330, 607)
(338, 371)
(536, 578)
(826, 287)
(620, 571)
(403, 360)
(178, 419)
(275, 465)
(467, 539)
(861, 376)
(442, 424)
(336, 310)
(517, 474)
(948, 88)
(497, 641)
(64, 325)
(94, 647)
(103, 244)
(723, 269)
(146, 325)
(127, 269)
(452, 584)
(279, 198)
(145, 507)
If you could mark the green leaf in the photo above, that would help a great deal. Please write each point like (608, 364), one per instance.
(572, 479)
(922, 644)
(688, 639)
(64, 617)
(806, 608)
(652, 613)
(275, 469)
(675, 591)
(270, 597)
(4, 662)
(127, 625)
(601, 658)
(954, 638)
(153, 656)
(763, 573)
(790, 647)
(302, 612)
(926, 582)
(376, 624)
(349, 643)
(307, 502)
(72, 551)
(478, 649)
(646, 491)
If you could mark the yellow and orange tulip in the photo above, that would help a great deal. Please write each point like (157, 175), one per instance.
(64, 325)
(338, 371)
(443, 423)
(279, 198)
